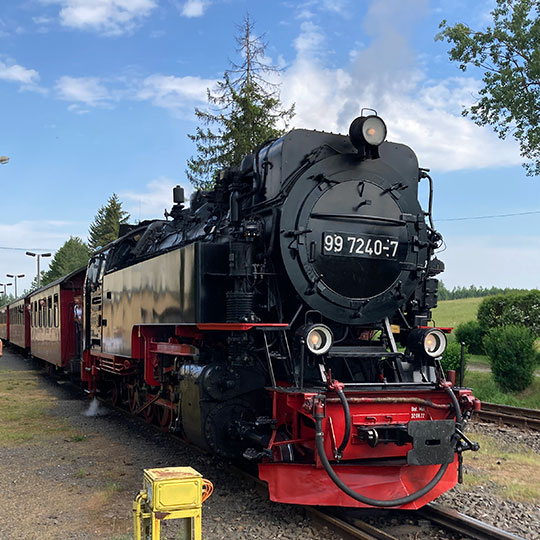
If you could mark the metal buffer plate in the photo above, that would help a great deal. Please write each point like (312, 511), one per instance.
(432, 442)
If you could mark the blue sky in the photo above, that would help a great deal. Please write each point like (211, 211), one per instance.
(97, 96)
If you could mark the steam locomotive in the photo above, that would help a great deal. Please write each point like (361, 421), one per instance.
(283, 317)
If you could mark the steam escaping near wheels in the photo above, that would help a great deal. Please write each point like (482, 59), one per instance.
(96, 409)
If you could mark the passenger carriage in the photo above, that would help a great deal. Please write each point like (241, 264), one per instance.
(19, 323)
(51, 317)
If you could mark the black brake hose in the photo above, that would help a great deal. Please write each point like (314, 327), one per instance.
(347, 413)
(319, 441)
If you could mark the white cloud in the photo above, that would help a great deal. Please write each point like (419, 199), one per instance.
(178, 94)
(28, 78)
(194, 8)
(387, 75)
(42, 20)
(310, 39)
(308, 8)
(151, 203)
(491, 261)
(111, 17)
(86, 90)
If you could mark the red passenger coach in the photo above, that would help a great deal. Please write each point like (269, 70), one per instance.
(52, 325)
(19, 323)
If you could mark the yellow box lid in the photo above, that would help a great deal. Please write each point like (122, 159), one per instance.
(172, 473)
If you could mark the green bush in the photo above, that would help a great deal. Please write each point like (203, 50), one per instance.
(521, 308)
(491, 309)
(451, 359)
(472, 334)
(512, 355)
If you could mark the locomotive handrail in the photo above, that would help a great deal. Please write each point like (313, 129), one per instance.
(355, 217)
(418, 401)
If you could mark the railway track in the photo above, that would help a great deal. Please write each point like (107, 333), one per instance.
(436, 514)
(512, 416)
(461, 523)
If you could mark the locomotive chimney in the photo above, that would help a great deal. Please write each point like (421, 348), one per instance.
(178, 195)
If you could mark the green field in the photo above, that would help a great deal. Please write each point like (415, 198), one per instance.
(485, 389)
(454, 312)
(451, 313)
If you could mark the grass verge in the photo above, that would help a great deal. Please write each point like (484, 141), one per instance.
(485, 389)
(23, 409)
(509, 472)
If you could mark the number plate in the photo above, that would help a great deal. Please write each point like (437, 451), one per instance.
(360, 245)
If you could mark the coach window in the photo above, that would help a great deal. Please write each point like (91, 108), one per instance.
(35, 313)
(49, 311)
(55, 310)
(40, 313)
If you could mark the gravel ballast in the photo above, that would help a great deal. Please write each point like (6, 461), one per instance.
(83, 489)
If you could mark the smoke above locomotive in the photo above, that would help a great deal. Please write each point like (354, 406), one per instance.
(264, 321)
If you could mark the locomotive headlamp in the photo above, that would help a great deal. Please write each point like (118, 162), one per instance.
(367, 130)
(374, 130)
(430, 341)
(317, 338)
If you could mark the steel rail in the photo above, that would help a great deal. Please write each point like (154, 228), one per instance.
(513, 416)
(456, 521)
(356, 529)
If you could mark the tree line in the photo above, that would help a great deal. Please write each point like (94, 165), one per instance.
(472, 292)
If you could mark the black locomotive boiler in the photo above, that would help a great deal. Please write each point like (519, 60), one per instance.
(284, 317)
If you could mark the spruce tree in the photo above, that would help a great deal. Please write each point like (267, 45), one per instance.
(245, 111)
(104, 229)
(72, 255)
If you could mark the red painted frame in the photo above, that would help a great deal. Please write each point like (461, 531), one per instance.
(308, 483)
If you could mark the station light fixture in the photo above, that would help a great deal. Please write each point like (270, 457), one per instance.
(38, 256)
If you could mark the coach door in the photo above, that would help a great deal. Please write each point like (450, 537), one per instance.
(93, 315)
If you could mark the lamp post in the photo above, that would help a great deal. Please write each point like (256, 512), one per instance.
(5, 285)
(15, 277)
(38, 255)
(3, 160)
